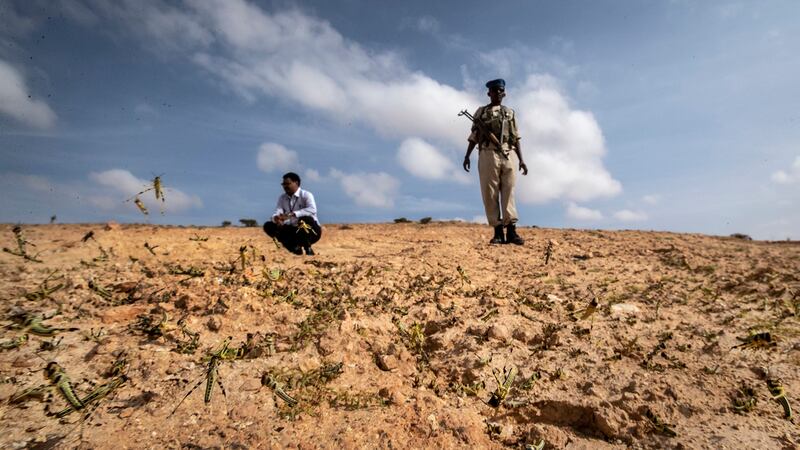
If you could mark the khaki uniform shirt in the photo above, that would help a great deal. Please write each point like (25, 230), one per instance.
(499, 120)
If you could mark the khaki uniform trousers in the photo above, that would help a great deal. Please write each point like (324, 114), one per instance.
(498, 175)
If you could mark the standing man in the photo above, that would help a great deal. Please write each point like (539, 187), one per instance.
(494, 131)
(295, 222)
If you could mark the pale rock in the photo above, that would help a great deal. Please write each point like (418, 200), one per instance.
(499, 332)
(386, 362)
(433, 423)
(214, 324)
(624, 310)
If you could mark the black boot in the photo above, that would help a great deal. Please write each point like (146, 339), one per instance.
(498, 236)
(512, 237)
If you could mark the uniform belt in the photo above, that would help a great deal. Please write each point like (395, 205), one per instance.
(495, 149)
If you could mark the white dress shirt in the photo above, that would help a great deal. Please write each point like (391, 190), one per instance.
(301, 204)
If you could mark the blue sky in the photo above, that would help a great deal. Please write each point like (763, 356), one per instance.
(674, 115)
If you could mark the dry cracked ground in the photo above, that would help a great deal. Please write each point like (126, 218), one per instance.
(396, 336)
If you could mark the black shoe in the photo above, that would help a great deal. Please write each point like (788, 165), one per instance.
(309, 251)
(297, 250)
(498, 236)
(512, 237)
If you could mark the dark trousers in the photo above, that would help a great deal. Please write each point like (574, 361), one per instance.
(292, 236)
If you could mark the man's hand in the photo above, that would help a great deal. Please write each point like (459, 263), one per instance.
(278, 220)
(523, 168)
(466, 163)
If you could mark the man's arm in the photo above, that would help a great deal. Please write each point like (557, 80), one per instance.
(473, 139)
(310, 208)
(278, 216)
(522, 166)
(470, 147)
(517, 149)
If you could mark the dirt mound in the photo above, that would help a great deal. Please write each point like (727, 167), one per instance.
(395, 336)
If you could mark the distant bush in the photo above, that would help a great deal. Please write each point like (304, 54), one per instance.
(226, 223)
(425, 220)
(248, 222)
(741, 236)
(53, 219)
(402, 220)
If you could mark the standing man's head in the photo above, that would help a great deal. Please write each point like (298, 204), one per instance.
(291, 183)
(497, 90)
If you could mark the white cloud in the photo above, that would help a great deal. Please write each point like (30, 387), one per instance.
(16, 102)
(423, 160)
(34, 182)
(651, 199)
(126, 185)
(626, 215)
(479, 219)
(790, 176)
(368, 189)
(581, 213)
(275, 157)
(257, 54)
(312, 175)
(563, 147)
(428, 24)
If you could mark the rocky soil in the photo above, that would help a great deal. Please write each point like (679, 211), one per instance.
(397, 336)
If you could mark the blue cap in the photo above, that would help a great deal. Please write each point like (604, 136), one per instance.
(496, 84)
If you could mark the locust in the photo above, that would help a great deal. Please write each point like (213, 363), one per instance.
(14, 342)
(33, 324)
(305, 227)
(58, 378)
(588, 311)
(548, 251)
(39, 392)
(97, 394)
(778, 394)
(269, 380)
(745, 399)
(190, 272)
(758, 340)
(151, 248)
(658, 425)
(198, 238)
(503, 387)
(463, 275)
(211, 376)
(243, 256)
(117, 372)
(99, 290)
(273, 274)
(87, 236)
(151, 329)
(157, 189)
(190, 346)
(140, 204)
(21, 244)
(44, 290)
(537, 446)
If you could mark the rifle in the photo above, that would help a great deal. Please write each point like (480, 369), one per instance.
(483, 130)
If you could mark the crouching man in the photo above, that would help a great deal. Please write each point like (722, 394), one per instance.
(294, 223)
